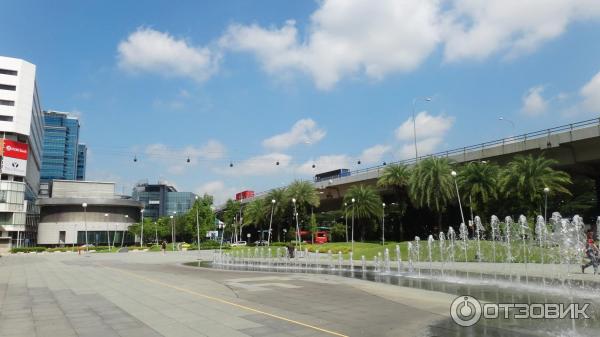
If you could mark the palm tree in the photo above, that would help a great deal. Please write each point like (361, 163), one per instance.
(525, 178)
(281, 198)
(431, 185)
(231, 215)
(367, 204)
(305, 194)
(478, 182)
(255, 213)
(397, 178)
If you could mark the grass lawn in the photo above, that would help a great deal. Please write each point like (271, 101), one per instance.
(370, 250)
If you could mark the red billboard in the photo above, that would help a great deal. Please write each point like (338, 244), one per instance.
(244, 195)
(14, 157)
(15, 149)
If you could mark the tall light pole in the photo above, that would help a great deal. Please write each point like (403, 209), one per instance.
(546, 191)
(273, 201)
(353, 200)
(197, 228)
(172, 233)
(414, 102)
(462, 216)
(508, 121)
(346, 219)
(383, 224)
(142, 232)
(107, 230)
(84, 205)
(298, 238)
(156, 232)
(123, 233)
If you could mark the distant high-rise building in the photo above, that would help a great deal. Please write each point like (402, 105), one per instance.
(21, 136)
(162, 200)
(61, 147)
(81, 160)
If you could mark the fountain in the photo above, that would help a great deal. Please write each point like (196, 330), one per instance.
(479, 230)
(430, 248)
(398, 259)
(463, 233)
(524, 229)
(442, 247)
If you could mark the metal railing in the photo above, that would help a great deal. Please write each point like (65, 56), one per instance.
(463, 150)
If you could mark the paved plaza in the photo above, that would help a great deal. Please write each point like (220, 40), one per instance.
(150, 294)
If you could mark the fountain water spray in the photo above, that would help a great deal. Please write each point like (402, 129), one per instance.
(410, 260)
(463, 233)
(386, 257)
(418, 249)
(479, 230)
(340, 260)
(442, 247)
(430, 242)
(524, 228)
(398, 258)
(363, 263)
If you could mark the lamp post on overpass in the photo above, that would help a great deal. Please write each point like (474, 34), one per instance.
(414, 102)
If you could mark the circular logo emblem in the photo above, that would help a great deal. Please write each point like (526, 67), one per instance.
(465, 310)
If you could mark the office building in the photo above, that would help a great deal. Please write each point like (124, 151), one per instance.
(81, 161)
(61, 156)
(21, 135)
(162, 200)
(76, 208)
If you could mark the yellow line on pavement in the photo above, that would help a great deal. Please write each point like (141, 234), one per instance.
(220, 300)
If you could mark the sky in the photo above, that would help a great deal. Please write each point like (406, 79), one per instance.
(329, 82)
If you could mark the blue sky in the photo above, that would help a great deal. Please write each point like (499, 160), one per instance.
(325, 82)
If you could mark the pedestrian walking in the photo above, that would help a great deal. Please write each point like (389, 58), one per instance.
(163, 247)
(592, 252)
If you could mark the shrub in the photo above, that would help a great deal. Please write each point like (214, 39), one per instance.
(28, 250)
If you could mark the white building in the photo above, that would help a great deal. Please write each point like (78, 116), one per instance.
(80, 212)
(21, 136)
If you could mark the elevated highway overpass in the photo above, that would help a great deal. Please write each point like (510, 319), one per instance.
(575, 146)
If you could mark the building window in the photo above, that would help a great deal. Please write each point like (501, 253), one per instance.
(6, 118)
(8, 87)
(8, 72)
(7, 102)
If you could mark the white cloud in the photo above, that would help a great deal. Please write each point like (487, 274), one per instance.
(534, 103)
(218, 190)
(374, 154)
(345, 38)
(427, 126)
(176, 159)
(303, 131)
(590, 93)
(425, 147)
(148, 50)
(476, 29)
(431, 131)
(324, 164)
(259, 165)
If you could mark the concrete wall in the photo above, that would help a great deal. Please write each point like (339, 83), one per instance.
(49, 232)
(82, 189)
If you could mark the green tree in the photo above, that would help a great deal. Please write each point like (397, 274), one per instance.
(367, 205)
(255, 213)
(306, 197)
(525, 177)
(231, 217)
(397, 178)
(478, 182)
(432, 186)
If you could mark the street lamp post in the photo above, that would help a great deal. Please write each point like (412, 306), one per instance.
(353, 224)
(346, 219)
(156, 232)
(273, 201)
(462, 216)
(383, 224)
(298, 238)
(414, 102)
(172, 233)
(84, 205)
(142, 232)
(197, 229)
(107, 230)
(546, 191)
(123, 232)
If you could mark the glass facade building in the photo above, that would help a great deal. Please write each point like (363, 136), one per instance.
(60, 159)
(81, 161)
(162, 200)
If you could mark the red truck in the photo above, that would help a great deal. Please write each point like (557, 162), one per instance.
(321, 236)
(244, 195)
